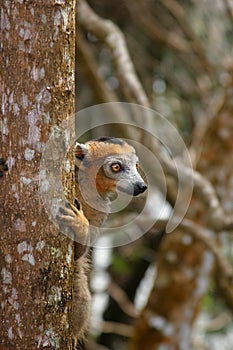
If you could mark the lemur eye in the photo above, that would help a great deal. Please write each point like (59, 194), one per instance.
(137, 166)
(116, 167)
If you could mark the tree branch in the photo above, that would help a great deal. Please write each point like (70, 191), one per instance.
(218, 220)
(154, 31)
(196, 45)
(121, 298)
(112, 36)
(90, 70)
(229, 10)
(116, 328)
(225, 270)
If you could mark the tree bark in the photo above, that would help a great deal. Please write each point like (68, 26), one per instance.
(37, 92)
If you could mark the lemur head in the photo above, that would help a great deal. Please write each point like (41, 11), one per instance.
(111, 165)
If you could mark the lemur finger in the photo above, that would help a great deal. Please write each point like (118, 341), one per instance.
(72, 207)
(66, 211)
(66, 223)
(79, 230)
(65, 218)
(68, 205)
(80, 221)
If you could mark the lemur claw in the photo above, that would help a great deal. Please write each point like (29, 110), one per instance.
(68, 205)
(77, 203)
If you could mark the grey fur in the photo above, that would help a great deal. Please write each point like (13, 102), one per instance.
(95, 208)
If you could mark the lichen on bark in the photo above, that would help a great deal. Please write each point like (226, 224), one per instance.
(37, 89)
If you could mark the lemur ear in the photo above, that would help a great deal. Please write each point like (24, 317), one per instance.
(80, 150)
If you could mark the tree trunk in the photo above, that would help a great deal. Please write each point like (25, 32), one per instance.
(37, 92)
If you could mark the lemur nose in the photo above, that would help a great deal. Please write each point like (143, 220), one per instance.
(139, 187)
(142, 187)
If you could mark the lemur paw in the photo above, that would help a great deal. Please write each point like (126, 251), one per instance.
(3, 166)
(72, 220)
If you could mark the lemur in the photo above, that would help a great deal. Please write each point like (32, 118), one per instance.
(104, 166)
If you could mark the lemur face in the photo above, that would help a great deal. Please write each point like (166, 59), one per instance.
(122, 169)
(112, 164)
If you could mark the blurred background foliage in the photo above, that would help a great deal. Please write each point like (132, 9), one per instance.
(181, 50)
